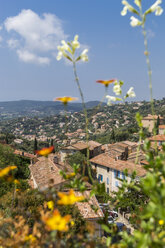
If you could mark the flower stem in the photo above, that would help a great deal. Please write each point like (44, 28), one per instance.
(148, 65)
(149, 68)
(86, 118)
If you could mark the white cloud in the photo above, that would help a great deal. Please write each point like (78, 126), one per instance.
(36, 35)
(13, 43)
(29, 57)
(1, 39)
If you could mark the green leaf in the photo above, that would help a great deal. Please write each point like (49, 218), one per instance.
(105, 228)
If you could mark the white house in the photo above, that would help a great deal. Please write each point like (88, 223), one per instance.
(109, 171)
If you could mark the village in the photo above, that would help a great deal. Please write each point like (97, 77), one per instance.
(112, 164)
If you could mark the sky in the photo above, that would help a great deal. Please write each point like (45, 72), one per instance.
(30, 32)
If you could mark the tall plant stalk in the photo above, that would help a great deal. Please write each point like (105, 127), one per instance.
(86, 118)
(147, 60)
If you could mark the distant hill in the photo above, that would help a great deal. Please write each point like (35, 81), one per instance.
(20, 108)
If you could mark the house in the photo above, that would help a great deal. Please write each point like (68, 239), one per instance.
(81, 146)
(18, 141)
(158, 139)
(89, 214)
(149, 120)
(109, 171)
(118, 151)
(132, 146)
(137, 155)
(161, 129)
(124, 150)
(45, 173)
(32, 157)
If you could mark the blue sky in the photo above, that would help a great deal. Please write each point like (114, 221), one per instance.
(28, 66)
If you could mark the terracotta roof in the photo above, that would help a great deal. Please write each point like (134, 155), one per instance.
(80, 145)
(106, 147)
(118, 144)
(162, 126)
(85, 207)
(24, 154)
(152, 117)
(68, 148)
(129, 143)
(45, 171)
(42, 174)
(144, 162)
(105, 160)
(159, 137)
(83, 145)
(93, 144)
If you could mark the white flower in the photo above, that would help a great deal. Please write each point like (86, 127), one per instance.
(61, 48)
(117, 89)
(134, 21)
(65, 46)
(158, 11)
(155, 8)
(75, 43)
(155, 5)
(131, 93)
(124, 11)
(84, 56)
(126, 8)
(59, 55)
(111, 99)
(138, 3)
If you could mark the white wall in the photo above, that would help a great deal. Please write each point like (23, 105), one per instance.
(112, 180)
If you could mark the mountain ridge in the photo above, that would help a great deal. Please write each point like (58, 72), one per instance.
(10, 109)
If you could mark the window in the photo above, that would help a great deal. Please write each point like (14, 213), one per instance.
(123, 176)
(107, 180)
(108, 190)
(116, 184)
(115, 173)
(118, 174)
(100, 178)
(107, 169)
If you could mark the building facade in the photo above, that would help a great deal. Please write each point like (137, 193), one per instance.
(111, 171)
(149, 120)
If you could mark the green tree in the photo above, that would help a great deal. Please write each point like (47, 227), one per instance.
(35, 145)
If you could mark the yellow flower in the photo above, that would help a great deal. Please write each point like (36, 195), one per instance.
(30, 238)
(65, 99)
(70, 175)
(69, 199)
(16, 181)
(106, 82)
(57, 222)
(161, 222)
(50, 205)
(45, 151)
(72, 223)
(5, 171)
